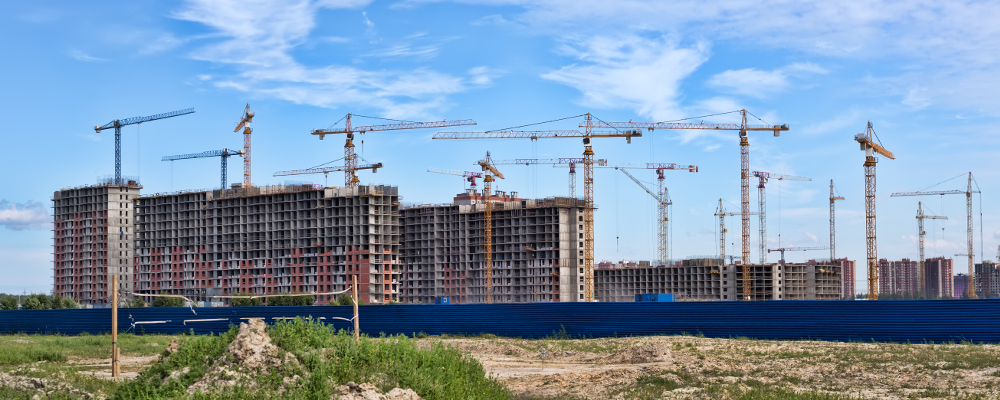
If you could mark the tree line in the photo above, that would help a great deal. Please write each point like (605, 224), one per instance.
(36, 302)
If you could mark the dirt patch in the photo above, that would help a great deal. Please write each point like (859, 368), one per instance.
(649, 353)
(250, 353)
(41, 386)
(367, 391)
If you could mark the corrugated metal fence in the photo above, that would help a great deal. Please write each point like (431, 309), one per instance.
(897, 321)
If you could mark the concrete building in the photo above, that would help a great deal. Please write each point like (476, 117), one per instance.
(708, 279)
(987, 279)
(268, 240)
(898, 277)
(93, 231)
(537, 250)
(848, 281)
(961, 285)
(938, 275)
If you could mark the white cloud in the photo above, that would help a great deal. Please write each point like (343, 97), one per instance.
(81, 56)
(761, 84)
(811, 236)
(848, 121)
(629, 71)
(257, 38)
(30, 215)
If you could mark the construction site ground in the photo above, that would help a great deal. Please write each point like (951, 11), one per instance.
(668, 367)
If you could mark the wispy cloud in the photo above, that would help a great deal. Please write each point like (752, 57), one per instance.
(30, 215)
(81, 56)
(257, 38)
(761, 84)
(629, 71)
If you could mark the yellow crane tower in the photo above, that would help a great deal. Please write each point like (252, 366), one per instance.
(870, 148)
(490, 171)
(833, 225)
(722, 214)
(968, 223)
(588, 177)
(244, 123)
(351, 159)
(743, 129)
(921, 233)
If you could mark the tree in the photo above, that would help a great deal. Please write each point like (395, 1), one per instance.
(244, 300)
(32, 303)
(135, 302)
(291, 300)
(69, 303)
(167, 301)
(8, 302)
(346, 300)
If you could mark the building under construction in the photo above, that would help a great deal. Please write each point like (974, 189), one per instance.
(269, 240)
(987, 279)
(537, 250)
(710, 279)
(92, 231)
(903, 277)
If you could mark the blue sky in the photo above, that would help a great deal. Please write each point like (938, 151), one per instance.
(924, 73)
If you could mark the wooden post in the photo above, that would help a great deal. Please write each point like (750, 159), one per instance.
(357, 332)
(114, 326)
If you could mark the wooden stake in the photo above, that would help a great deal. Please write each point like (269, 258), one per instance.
(114, 326)
(357, 332)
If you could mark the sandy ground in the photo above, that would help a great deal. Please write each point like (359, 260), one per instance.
(705, 368)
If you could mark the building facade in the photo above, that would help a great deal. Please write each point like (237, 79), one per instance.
(848, 280)
(898, 277)
(987, 279)
(537, 250)
(93, 231)
(706, 279)
(269, 240)
(961, 285)
(939, 277)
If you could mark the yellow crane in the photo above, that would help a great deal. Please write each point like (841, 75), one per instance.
(968, 223)
(921, 233)
(588, 176)
(244, 123)
(744, 129)
(490, 171)
(763, 177)
(722, 214)
(870, 148)
(833, 225)
(351, 159)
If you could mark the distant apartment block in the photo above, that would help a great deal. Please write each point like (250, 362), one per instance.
(848, 281)
(961, 285)
(269, 240)
(939, 277)
(898, 277)
(707, 279)
(537, 250)
(987, 279)
(93, 231)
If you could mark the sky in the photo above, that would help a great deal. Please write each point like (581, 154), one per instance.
(924, 73)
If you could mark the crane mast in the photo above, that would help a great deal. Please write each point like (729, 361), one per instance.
(244, 123)
(870, 148)
(833, 224)
(920, 234)
(763, 177)
(119, 123)
(663, 249)
(490, 171)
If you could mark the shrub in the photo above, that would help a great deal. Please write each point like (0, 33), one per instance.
(343, 300)
(69, 303)
(291, 300)
(245, 301)
(135, 302)
(167, 301)
(32, 303)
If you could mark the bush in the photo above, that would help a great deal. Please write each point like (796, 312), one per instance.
(167, 301)
(136, 302)
(8, 302)
(245, 302)
(343, 300)
(32, 303)
(69, 303)
(292, 300)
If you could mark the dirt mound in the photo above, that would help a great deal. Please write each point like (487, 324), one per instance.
(250, 353)
(648, 353)
(367, 391)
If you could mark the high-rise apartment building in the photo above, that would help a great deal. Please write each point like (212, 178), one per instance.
(93, 232)
(938, 276)
(269, 240)
(848, 283)
(987, 279)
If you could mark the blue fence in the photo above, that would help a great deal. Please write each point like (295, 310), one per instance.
(890, 321)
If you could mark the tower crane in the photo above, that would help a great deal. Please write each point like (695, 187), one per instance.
(327, 170)
(763, 177)
(870, 148)
(744, 129)
(244, 123)
(921, 233)
(833, 225)
(588, 177)
(351, 159)
(663, 201)
(571, 162)
(968, 223)
(784, 249)
(490, 171)
(119, 123)
(224, 154)
(468, 175)
(722, 214)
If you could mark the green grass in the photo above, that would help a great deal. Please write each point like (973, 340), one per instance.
(84, 346)
(27, 355)
(330, 358)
